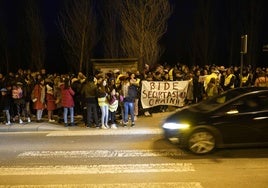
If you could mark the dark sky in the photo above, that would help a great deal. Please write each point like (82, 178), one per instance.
(180, 25)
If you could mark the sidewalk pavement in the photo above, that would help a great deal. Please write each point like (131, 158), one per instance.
(143, 125)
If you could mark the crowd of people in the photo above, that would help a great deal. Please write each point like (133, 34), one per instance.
(107, 100)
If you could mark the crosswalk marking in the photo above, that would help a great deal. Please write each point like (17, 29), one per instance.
(116, 185)
(97, 169)
(102, 153)
(123, 131)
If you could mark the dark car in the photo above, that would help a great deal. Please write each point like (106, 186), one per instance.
(238, 117)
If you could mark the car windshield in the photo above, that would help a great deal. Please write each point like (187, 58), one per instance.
(216, 101)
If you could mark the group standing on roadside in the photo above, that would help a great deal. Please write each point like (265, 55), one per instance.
(106, 100)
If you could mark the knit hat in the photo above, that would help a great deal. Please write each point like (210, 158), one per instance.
(3, 90)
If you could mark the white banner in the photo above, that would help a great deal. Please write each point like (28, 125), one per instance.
(154, 93)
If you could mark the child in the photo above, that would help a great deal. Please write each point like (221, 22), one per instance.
(113, 105)
(5, 104)
(50, 102)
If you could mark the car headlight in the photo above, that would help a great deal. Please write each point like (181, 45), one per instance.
(176, 126)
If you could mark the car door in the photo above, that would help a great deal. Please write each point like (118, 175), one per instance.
(245, 120)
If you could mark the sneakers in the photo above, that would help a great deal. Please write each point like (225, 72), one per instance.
(147, 114)
(51, 121)
(104, 127)
(8, 123)
(29, 120)
(133, 124)
(20, 121)
(113, 126)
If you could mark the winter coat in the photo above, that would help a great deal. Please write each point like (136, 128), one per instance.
(89, 92)
(5, 101)
(39, 95)
(67, 100)
(50, 101)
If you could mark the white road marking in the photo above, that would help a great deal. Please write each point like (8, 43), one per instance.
(115, 185)
(102, 153)
(96, 169)
(123, 131)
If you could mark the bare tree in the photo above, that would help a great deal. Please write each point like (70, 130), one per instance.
(34, 39)
(4, 61)
(252, 27)
(204, 36)
(111, 28)
(144, 22)
(78, 26)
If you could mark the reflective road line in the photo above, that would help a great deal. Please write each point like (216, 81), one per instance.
(116, 185)
(102, 153)
(96, 169)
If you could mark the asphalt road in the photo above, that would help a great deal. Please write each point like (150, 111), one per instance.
(75, 158)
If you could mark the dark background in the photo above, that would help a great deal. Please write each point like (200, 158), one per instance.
(178, 42)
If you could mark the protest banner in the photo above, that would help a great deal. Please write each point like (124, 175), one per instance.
(154, 93)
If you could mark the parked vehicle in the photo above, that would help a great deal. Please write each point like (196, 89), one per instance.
(238, 117)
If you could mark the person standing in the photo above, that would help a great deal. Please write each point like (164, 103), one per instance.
(229, 81)
(261, 80)
(67, 102)
(5, 104)
(136, 83)
(212, 88)
(18, 98)
(38, 98)
(113, 105)
(129, 92)
(89, 93)
(103, 103)
(50, 102)
(29, 85)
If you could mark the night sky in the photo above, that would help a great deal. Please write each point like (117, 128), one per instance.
(176, 40)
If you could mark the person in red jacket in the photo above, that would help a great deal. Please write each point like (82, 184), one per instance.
(38, 99)
(50, 102)
(67, 101)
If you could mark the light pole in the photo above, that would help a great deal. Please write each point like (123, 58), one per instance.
(243, 51)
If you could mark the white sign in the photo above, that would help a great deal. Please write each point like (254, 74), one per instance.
(154, 93)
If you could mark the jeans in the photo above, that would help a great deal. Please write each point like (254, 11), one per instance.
(112, 116)
(128, 108)
(65, 114)
(104, 114)
(39, 114)
(7, 114)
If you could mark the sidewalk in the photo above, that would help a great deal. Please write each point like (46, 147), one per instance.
(143, 125)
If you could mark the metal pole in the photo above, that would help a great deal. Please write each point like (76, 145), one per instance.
(243, 51)
(241, 67)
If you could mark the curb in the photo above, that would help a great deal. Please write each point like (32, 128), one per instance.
(144, 125)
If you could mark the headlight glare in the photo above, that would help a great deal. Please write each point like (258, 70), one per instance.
(176, 126)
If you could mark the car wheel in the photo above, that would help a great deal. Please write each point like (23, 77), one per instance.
(201, 142)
